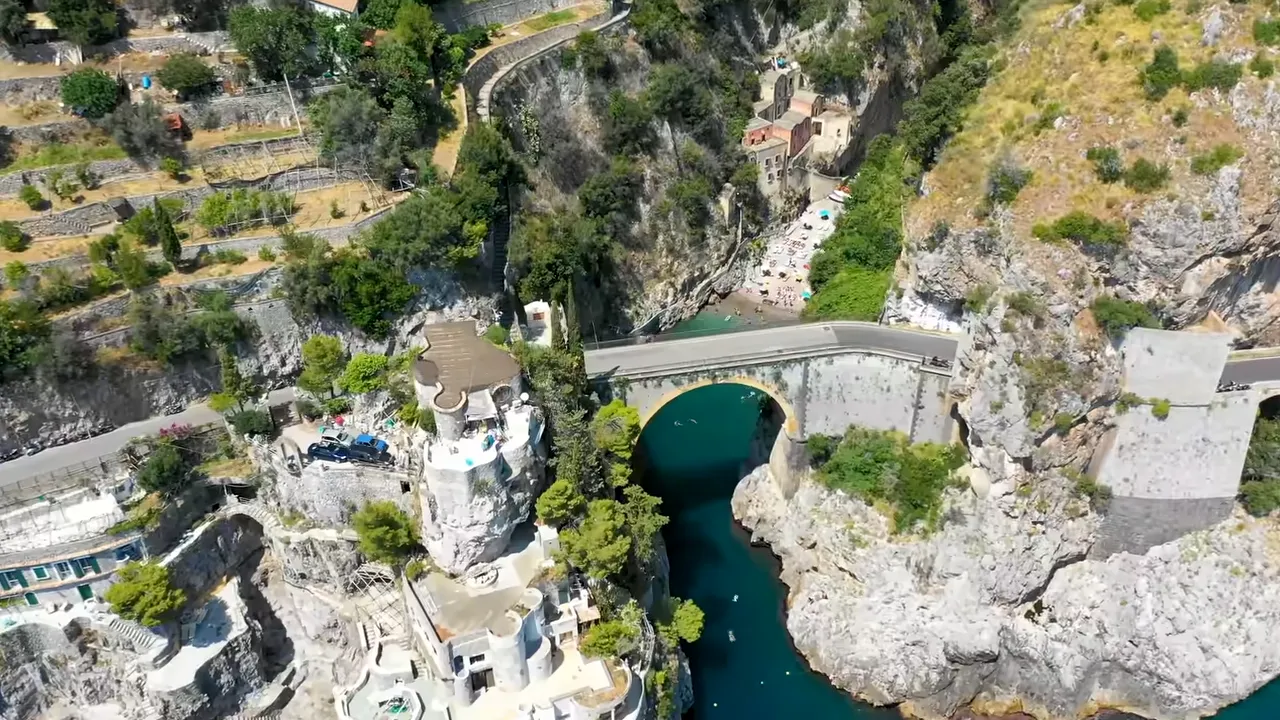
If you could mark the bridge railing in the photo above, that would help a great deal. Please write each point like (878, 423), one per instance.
(728, 329)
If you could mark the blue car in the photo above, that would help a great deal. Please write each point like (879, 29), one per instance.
(367, 448)
(331, 451)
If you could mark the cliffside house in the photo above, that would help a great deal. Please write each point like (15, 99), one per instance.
(336, 8)
(61, 547)
(798, 139)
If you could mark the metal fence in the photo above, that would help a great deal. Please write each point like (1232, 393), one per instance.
(728, 329)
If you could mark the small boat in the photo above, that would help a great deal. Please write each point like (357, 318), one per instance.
(731, 637)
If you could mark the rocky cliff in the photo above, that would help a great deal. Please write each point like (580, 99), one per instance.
(999, 612)
(999, 609)
(121, 388)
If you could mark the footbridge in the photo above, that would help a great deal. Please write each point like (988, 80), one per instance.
(1170, 472)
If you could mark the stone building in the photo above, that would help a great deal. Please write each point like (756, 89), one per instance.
(799, 140)
(482, 469)
(60, 547)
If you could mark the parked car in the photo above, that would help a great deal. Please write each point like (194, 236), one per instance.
(367, 448)
(331, 451)
(336, 435)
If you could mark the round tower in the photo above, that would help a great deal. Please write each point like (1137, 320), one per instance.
(506, 647)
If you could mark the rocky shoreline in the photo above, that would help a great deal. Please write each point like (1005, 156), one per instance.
(997, 614)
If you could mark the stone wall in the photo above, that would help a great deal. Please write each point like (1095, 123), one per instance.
(331, 494)
(202, 43)
(457, 15)
(105, 170)
(493, 74)
(323, 558)
(826, 394)
(487, 68)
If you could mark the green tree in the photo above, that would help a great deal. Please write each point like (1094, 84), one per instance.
(347, 121)
(85, 22)
(599, 546)
(616, 427)
(234, 383)
(369, 292)
(561, 503)
(13, 22)
(131, 262)
(386, 533)
(1162, 74)
(644, 522)
(251, 422)
(89, 92)
(365, 372)
(684, 622)
(170, 244)
(186, 75)
(273, 39)
(23, 332)
(12, 238)
(165, 470)
(609, 639)
(143, 592)
(628, 125)
(1117, 316)
(141, 131)
(323, 359)
(16, 273)
(31, 196)
(381, 14)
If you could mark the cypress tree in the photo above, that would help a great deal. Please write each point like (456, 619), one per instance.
(170, 245)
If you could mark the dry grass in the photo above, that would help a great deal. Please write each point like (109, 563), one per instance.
(205, 139)
(129, 63)
(1102, 103)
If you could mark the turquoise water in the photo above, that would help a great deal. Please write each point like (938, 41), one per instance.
(693, 466)
(692, 451)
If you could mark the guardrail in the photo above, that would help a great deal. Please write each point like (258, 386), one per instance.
(687, 334)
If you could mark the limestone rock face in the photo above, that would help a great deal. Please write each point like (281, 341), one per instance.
(56, 413)
(999, 610)
(476, 526)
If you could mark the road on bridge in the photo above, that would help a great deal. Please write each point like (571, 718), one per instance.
(759, 345)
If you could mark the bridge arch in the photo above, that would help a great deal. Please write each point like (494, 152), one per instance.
(791, 421)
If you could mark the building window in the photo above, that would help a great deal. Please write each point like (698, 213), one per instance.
(537, 317)
(770, 177)
(85, 565)
(127, 553)
(64, 570)
(86, 592)
(41, 572)
(475, 659)
(768, 162)
(31, 599)
(14, 578)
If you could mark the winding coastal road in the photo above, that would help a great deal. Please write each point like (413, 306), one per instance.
(657, 355)
(88, 451)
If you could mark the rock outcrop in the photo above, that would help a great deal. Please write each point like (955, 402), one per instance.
(998, 610)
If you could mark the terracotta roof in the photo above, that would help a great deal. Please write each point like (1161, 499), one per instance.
(343, 5)
(460, 362)
(807, 96)
(790, 119)
(756, 123)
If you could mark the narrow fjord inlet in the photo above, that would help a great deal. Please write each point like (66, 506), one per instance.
(744, 666)
(694, 450)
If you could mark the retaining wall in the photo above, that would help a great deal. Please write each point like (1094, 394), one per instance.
(479, 79)
(200, 43)
(457, 15)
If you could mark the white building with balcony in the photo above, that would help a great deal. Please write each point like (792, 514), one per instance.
(63, 546)
(482, 469)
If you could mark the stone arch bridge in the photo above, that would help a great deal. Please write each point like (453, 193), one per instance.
(1170, 474)
(825, 377)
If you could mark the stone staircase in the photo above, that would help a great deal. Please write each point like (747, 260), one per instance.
(269, 521)
(501, 237)
(142, 639)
